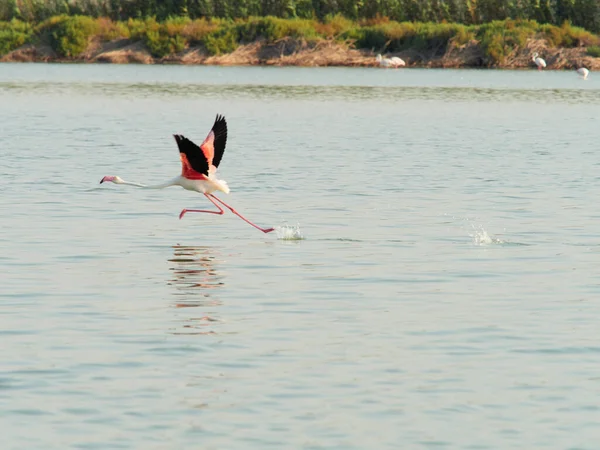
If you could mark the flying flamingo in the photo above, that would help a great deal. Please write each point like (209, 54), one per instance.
(539, 62)
(198, 173)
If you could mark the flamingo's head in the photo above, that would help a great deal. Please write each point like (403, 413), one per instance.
(535, 55)
(112, 178)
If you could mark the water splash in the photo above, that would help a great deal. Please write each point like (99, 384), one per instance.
(289, 233)
(480, 236)
(478, 233)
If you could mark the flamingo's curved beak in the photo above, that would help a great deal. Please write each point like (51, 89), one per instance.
(106, 178)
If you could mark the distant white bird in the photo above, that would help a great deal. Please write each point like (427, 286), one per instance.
(397, 61)
(384, 62)
(539, 62)
(583, 72)
(390, 62)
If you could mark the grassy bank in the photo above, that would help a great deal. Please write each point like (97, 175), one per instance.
(494, 43)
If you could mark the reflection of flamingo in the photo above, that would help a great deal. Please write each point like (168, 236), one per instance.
(194, 268)
(583, 72)
(194, 277)
(539, 62)
(199, 167)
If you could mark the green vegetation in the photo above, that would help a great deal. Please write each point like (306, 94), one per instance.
(161, 39)
(69, 36)
(221, 41)
(581, 13)
(13, 34)
(594, 51)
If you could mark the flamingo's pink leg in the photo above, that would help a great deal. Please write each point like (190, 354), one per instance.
(264, 230)
(219, 212)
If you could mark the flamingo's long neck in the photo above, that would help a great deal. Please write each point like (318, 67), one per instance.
(173, 182)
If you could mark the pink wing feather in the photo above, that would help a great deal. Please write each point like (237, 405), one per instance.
(208, 147)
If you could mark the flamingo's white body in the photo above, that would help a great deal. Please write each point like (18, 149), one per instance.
(383, 62)
(394, 61)
(199, 170)
(539, 62)
(583, 72)
(398, 62)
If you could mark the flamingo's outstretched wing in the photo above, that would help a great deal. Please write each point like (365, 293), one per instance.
(214, 144)
(194, 164)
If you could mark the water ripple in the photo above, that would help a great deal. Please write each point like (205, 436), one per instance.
(309, 92)
(447, 294)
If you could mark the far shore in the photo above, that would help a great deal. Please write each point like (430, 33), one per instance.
(298, 52)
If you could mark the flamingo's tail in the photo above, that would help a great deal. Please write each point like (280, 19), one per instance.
(222, 186)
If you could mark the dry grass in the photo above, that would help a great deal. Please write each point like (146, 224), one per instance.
(197, 30)
(109, 30)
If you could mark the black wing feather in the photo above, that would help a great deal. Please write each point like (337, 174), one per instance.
(220, 130)
(193, 153)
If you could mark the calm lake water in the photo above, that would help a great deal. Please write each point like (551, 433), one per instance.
(446, 294)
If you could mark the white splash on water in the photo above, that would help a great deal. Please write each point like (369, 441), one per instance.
(289, 233)
(480, 236)
(478, 233)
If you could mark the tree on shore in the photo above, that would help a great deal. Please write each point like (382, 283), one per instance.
(582, 13)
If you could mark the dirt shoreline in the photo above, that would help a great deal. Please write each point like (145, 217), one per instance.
(293, 52)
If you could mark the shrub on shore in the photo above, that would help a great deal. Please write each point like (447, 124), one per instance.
(569, 36)
(224, 40)
(582, 13)
(499, 39)
(594, 51)
(69, 36)
(13, 34)
(161, 39)
(423, 37)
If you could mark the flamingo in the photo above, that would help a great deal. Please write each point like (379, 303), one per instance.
(398, 62)
(583, 72)
(198, 173)
(539, 62)
(390, 62)
(384, 62)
